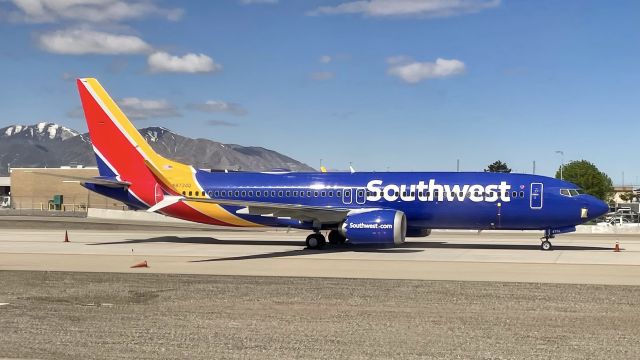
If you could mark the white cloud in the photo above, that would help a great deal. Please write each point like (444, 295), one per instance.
(142, 109)
(220, 123)
(211, 106)
(322, 75)
(413, 72)
(85, 41)
(423, 8)
(325, 59)
(249, 2)
(189, 63)
(88, 11)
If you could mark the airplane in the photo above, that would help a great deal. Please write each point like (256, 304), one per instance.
(370, 208)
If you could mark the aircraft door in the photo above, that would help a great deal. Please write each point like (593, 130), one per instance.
(347, 196)
(361, 196)
(535, 199)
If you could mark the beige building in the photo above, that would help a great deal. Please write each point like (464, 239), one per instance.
(39, 188)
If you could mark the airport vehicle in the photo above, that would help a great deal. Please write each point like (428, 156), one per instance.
(372, 208)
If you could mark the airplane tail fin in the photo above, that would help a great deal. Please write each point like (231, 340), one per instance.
(121, 151)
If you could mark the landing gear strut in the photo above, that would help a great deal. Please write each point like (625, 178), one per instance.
(336, 238)
(315, 241)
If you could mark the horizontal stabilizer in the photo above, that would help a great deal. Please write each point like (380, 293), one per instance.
(107, 181)
(167, 201)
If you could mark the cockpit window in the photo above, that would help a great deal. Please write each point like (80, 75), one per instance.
(571, 192)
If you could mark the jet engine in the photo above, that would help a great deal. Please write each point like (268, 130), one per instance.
(375, 227)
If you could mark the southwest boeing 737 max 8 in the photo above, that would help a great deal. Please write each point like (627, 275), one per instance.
(361, 207)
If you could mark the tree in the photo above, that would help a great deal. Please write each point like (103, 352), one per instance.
(499, 167)
(589, 178)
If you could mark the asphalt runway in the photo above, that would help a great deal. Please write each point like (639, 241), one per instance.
(462, 256)
(246, 294)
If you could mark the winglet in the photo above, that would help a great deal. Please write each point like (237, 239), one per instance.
(166, 201)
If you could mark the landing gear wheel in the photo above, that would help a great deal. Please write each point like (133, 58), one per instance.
(546, 246)
(315, 241)
(336, 238)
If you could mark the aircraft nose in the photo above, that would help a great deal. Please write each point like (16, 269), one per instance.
(597, 207)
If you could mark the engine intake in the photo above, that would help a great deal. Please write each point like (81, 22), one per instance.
(375, 227)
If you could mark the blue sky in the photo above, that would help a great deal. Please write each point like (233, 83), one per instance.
(404, 84)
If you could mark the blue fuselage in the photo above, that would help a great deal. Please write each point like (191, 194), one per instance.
(430, 200)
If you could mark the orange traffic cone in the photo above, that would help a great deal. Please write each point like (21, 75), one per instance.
(617, 247)
(66, 236)
(142, 264)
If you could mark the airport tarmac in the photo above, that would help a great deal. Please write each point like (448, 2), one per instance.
(463, 256)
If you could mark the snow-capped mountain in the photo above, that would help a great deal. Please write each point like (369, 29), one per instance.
(53, 145)
(40, 130)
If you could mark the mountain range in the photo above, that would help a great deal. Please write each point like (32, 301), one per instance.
(53, 145)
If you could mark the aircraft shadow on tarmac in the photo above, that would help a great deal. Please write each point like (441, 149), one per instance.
(408, 247)
(476, 246)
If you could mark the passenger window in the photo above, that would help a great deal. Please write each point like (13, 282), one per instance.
(521, 194)
(190, 193)
(273, 193)
(308, 193)
(280, 193)
(323, 194)
(197, 193)
(338, 193)
(288, 193)
(315, 194)
(210, 193)
(244, 193)
(295, 194)
(184, 193)
(330, 193)
(237, 193)
(250, 193)
(216, 194)
(258, 193)
(514, 194)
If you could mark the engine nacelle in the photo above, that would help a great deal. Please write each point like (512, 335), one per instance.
(418, 232)
(375, 227)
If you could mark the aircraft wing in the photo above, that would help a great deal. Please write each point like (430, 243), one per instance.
(323, 214)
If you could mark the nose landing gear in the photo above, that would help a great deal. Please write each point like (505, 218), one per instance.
(546, 244)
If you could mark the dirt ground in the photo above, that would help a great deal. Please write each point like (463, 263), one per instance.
(148, 316)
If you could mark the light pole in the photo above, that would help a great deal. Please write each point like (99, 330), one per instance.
(561, 162)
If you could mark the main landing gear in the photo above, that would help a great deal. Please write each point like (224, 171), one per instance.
(316, 241)
(336, 238)
(546, 244)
